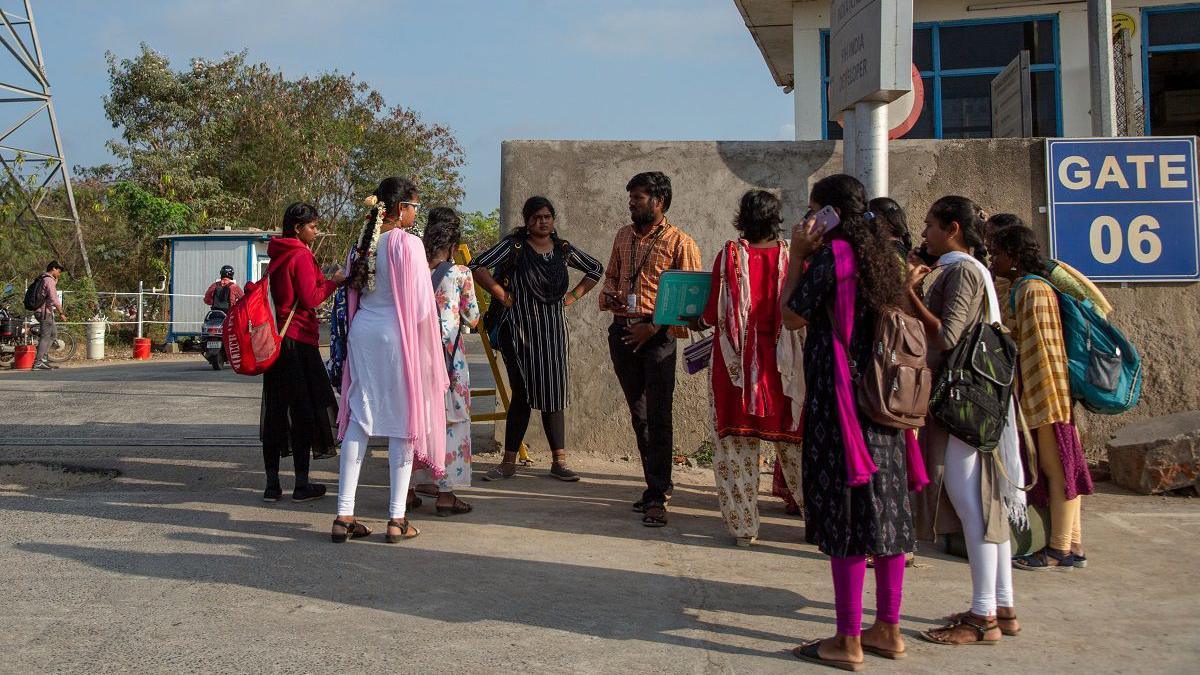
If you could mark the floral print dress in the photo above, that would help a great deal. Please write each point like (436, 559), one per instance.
(457, 310)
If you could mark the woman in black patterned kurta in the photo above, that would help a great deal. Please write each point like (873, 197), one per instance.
(848, 523)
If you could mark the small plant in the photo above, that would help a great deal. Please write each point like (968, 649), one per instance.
(703, 455)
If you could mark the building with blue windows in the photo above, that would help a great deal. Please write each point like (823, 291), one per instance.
(959, 47)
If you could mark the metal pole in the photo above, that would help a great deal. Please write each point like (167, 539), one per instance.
(139, 310)
(849, 142)
(1100, 54)
(871, 163)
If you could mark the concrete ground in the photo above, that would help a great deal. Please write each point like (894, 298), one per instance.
(176, 565)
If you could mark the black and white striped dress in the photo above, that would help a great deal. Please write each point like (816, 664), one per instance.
(538, 329)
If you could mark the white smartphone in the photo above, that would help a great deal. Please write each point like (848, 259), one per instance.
(826, 218)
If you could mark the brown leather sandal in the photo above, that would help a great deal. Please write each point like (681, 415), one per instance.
(351, 529)
(1008, 624)
(980, 626)
(407, 531)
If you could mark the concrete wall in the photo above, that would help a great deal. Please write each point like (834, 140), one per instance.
(586, 180)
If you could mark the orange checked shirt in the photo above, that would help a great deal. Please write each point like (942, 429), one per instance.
(637, 262)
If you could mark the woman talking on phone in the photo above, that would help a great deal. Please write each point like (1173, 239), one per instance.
(855, 478)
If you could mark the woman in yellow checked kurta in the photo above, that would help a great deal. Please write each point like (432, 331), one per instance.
(1045, 394)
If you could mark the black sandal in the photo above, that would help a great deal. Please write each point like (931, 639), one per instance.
(459, 507)
(353, 530)
(404, 528)
(655, 516)
(811, 652)
(413, 502)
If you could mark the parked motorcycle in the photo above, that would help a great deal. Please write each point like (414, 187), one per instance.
(213, 335)
(23, 330)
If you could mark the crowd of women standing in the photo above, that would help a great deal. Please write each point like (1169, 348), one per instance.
(792, 321)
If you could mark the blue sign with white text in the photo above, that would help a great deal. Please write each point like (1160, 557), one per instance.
(1125, 209)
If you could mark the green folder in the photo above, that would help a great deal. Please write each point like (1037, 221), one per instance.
(681, 295)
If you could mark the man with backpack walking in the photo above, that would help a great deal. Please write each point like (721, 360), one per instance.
(224, 292)
(41, 298)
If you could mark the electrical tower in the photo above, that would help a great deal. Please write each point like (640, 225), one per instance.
(31, 151)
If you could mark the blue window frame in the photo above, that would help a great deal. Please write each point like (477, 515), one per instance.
(957, 74)
(1170, 69)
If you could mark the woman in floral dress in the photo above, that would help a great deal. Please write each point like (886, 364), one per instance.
(454, 292)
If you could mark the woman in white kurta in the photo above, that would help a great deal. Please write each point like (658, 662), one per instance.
(458, 310)
(394, 380)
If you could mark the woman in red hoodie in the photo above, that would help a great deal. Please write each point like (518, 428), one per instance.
(298, 405)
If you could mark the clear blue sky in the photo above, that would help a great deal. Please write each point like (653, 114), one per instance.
(491, 70)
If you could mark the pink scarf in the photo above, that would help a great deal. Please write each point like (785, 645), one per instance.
(859, 465)
(421, 348)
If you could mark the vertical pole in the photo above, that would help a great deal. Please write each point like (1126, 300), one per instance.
(141, 285)
(849, 142)
(1100, 56)
(871, 164)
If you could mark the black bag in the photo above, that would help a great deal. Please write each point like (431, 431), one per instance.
(974, 387)
(36, 295)
(496, 318)
(221, 298)
(439, 273)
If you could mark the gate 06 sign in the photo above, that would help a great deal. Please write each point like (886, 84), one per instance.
(1125, 209)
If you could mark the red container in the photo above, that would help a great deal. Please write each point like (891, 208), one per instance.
(141, 349)
(24, 356)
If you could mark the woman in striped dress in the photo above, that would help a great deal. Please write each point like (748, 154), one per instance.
(526, 273)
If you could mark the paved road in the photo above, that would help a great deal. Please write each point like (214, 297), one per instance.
(176, 566)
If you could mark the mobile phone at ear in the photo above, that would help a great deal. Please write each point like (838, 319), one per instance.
(826, 219)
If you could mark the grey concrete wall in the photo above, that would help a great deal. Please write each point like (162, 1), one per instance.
(586, 180)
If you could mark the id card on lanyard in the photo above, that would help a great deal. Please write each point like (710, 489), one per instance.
(631, 300)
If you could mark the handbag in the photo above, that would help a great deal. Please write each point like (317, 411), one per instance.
(698, 354)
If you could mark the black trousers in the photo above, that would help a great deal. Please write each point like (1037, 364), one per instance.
(647, 378)
(516, 422)
(298, 407)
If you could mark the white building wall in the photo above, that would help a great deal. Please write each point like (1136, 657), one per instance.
(195, 264)
(810, 17)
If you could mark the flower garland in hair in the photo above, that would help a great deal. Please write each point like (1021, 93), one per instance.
(373, 247)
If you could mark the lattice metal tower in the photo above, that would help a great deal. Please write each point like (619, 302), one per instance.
(31, 151)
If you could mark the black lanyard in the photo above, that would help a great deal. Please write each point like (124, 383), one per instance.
(636, 270)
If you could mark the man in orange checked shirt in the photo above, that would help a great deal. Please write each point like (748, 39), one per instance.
(644, 354)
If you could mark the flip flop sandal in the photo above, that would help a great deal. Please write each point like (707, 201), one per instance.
(459, 507)
(354, 530)
(886, 653)
(431, 491)
(980, 630)
(811, 652)
(1042, 561)
(655, 516)
(406, 531)
(413, 502)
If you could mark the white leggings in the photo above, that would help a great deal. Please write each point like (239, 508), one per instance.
(991, 564)
(354, 451)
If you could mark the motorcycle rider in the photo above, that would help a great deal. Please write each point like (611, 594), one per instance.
(224, 292)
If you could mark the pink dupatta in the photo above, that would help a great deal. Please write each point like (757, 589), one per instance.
(859, 465)
(422, 351)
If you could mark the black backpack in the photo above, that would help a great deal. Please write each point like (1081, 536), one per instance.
(221, 297)
(36, 295)
(974, 387)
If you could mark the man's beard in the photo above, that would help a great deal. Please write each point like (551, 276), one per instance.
(643, 218)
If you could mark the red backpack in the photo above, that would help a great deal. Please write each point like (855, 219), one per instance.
(251, 341)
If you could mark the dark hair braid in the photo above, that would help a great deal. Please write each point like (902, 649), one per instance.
(442, 231)
(388, 195)
(879, 273)
(890, 220)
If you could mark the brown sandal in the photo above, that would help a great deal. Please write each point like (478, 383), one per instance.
(351, 529)
(459, 507)
(1005, 622)
(981, 627)
(407, 531)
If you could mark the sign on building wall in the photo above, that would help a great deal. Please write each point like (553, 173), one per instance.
(1125, 209)
(1012, 100)
(870, 50)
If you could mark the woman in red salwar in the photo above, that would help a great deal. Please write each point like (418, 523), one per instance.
(757, 375)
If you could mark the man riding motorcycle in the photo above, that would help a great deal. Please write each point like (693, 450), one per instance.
(224, 292)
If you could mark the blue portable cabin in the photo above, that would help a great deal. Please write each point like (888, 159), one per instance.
(196, 261)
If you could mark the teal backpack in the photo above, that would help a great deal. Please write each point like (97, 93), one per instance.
(1105, 368)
